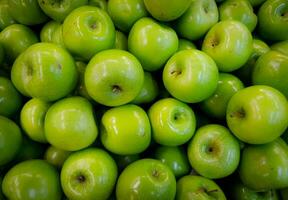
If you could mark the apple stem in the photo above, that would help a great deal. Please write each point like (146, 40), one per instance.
(116, 89)
(81, 178)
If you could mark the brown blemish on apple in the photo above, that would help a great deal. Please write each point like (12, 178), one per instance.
(238, 113)
(176, 72)
(59, 66)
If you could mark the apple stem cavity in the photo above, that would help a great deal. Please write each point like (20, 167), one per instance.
(81, 179)
(176, 73)
(116, 89)
(239, 113)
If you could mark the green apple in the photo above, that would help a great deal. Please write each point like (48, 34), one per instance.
(273, 23)
(11, 100)
(15, 39)
(215, 106)
(121, 41)
(146, 179)
(265, 167)
(125, 13)
(88, 30)
(27, 12)
(256, 3)
(240, 10)
(173, 122)
(190, 76)
(185, 45)
(32, 179)
(99, 3)
(58, 10)
(44, 71)
(281, 47)
(32, 119)
(123, 161)
(198, 188)
(5, 17)
(214, 152)
(57, 36)
(175, 158)
(11, 139)
(56, 156)
(119, 137)
(245, 72)
(113, 77)
(89, 174)
(271, 69)
(229, 43)
(149, 90)
(148, 38)
(198, 19)
(257, 114)
(48, 30)
(164, 11)
(70, 125)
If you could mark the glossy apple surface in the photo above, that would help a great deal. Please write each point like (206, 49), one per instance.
(281, 47)
(185, 45)
(48, 30)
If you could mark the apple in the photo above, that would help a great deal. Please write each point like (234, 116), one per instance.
(240, 10)
(5, 17)
(163, 11)
(175, 158)
(229, 43)
(15, 39)
(190, 76)
(185, 45)
(146, 179)
(32, 119)
(58, 10)
(257, 114)
(89, 174)
(149, 90)
(57, 37)
(273, 23)
(281, 47)
(214, 152)
(11, 139)
(123, 139)
(88, 30)
(113, 77)
(173, 122)
(215, 106)
(198, 188)
(99, 3)
(56, 156)
(125, 13)
(256, 3)
(198, 19)
(121, 41)
(27, 12)
(271, 69)
(32, 179)
(44, 71)
(148, 38)
(123, 161)
(265, 167)
(11, 100)
(48, 30)
(70, 125)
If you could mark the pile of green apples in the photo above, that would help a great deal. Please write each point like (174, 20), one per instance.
(144, 99)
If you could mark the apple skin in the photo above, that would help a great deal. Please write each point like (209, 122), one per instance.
(273, 23)
(271, 69)
(32, 119)
(198, 19)
(15, 39)
(5, 17)
(58, 10)
(121, 41)
(11, 139)
(281, 47)
(99, 3)
(70, 125)
(265, 167)
(32, 179)
(215, 106)
(114, 77)
(198, 188)
(185, 45)
(27, 12)
(163, 11)
(56, 156)
(256, 3)
(229, 43)
(44, 71)
(121, 139)
(175, 158)
(11, 100)
(48, 30)
(88, 30)
(240, 10)
(148, 38)
(214, 152)
(125, 13)
(57, 37)
(261, 121)
(173, 122)
(190, 76)
(146, 179)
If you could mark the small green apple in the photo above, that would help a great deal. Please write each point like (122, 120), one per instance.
(48, 30)
(5, 17)
(121, 41)
(56, 156)
(185, 45)
(57, 37)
